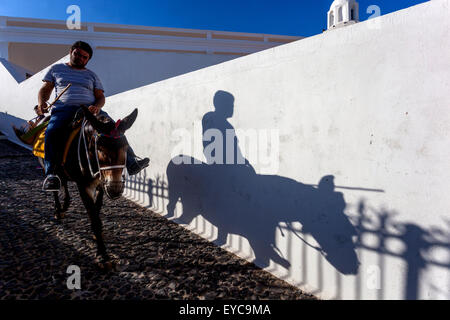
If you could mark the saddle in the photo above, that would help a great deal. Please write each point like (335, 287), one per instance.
(34, 135)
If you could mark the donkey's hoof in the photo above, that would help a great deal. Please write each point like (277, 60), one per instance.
(59, 216)
(95, 238)
(105, 264)
(109, 265)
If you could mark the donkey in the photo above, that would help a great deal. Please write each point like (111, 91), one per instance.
(96, 164)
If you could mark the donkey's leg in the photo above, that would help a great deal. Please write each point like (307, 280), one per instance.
(103, 260)
(59, 211)
(66, 202)
(99, 200)
(58, 215)
(98, 204)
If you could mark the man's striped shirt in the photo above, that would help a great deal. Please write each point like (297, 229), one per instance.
(83, 82)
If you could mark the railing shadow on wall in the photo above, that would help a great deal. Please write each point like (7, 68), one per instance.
(339, 233)
(415, 249)
(237, 200)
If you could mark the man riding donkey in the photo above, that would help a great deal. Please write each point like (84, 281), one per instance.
(86, 89)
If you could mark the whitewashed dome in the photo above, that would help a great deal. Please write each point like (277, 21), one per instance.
(343, 12)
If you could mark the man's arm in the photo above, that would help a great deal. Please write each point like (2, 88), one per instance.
(99, 101)
(44, 95)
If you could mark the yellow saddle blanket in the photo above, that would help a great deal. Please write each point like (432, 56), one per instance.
(39, 143)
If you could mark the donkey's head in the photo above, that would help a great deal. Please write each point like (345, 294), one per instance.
(109, 146)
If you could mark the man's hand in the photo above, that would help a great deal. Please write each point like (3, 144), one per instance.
(43, 96)
(99, 101)
(41, 108)
(94, 109)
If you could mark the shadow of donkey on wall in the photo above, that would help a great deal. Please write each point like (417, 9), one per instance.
(236, 200)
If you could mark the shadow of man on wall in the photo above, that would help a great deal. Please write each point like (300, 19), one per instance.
(228, 193)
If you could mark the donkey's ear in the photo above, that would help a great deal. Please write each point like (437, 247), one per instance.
(101, 127)
(128, 121)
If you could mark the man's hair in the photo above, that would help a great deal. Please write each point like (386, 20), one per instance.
(83, 46)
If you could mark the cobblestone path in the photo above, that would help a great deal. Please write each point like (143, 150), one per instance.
(157, 259)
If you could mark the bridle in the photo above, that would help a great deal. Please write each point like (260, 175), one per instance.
(115, 135)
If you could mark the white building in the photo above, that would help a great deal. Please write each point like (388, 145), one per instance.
(140, 55)
(343, 13)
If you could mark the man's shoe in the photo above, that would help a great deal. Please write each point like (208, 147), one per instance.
(137, 166)
(51, 183)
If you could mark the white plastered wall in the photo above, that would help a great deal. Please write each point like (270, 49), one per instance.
(367, 104)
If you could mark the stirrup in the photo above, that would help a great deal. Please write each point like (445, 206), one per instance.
(51, 176)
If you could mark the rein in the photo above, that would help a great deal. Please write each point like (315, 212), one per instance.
(114, 134)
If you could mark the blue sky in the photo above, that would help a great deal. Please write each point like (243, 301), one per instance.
(287, 17)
